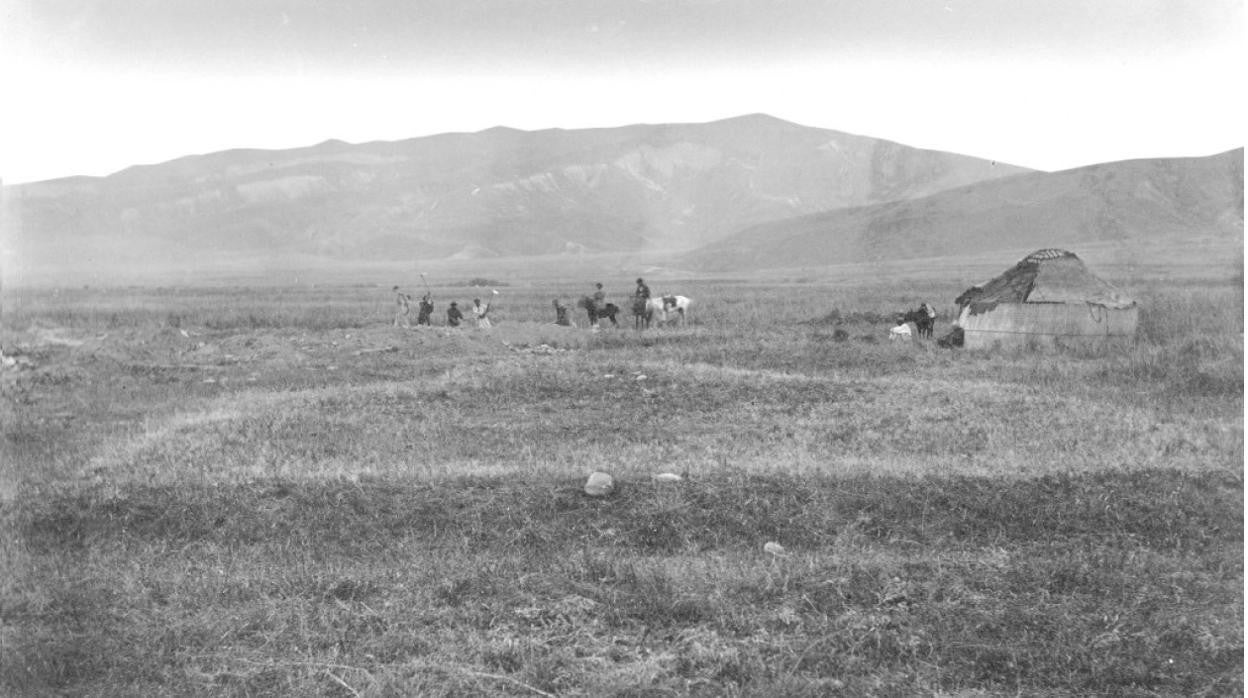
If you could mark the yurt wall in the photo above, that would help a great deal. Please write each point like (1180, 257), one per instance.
(1048, 324)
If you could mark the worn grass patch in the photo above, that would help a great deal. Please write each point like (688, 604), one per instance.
(273, 491)
(1081, 584)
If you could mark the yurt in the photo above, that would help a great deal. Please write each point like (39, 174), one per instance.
(1048, 299)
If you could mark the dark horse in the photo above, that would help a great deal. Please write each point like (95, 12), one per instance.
(641, 313)
(608, 310)
(922, 321)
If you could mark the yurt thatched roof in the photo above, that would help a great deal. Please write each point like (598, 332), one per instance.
(1044, 276)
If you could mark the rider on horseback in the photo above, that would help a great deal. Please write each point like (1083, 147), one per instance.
(598, 302)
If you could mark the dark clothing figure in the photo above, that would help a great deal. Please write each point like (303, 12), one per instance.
(955, 338)
(426, 310)
(641, 300)
(597, 303)
(561, 314)
(643, 291)
(453, 316)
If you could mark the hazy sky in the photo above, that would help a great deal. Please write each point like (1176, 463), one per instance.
(93, 86)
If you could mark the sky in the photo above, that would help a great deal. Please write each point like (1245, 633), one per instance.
(90, 87)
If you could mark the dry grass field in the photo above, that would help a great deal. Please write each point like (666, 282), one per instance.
(270, 490)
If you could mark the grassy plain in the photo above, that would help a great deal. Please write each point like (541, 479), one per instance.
(269, 490)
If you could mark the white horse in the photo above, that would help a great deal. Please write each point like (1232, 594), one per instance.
(669, 308)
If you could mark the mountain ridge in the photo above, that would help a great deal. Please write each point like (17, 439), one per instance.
(1145, 199)
(744, 192)
(497, 192)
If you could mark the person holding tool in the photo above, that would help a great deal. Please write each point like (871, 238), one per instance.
(425, 308)
(402, 308)
(481, 312)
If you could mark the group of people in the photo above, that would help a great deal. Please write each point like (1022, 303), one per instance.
(924, 319)
(454, 316)
(481, 311)
(597, 306)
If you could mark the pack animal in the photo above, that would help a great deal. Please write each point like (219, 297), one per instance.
(642, 313)
(607, 310)
(670, 309)
(922, 322)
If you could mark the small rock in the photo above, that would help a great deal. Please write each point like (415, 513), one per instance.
(667, 477)
(599, 484)
(774, 548)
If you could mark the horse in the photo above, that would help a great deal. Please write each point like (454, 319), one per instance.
(669, 308)
(642, 312)
(922, 322)
(608, 310)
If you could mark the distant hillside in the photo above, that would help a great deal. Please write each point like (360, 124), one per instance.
(500, 192)
(1156, 199)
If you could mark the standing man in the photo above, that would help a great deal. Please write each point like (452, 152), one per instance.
(643, 291)
(426, 310)
(641, 296)
(453, 316)
(403, 306)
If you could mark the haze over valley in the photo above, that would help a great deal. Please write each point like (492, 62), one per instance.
(747, 193)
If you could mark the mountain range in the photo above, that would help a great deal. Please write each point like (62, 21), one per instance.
(742, 193)
(1128, 202)
(499, 192)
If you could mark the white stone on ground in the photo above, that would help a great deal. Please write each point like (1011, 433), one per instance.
(774, 548)
(599, 484)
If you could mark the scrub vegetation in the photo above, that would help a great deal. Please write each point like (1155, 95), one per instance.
(256, 491)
